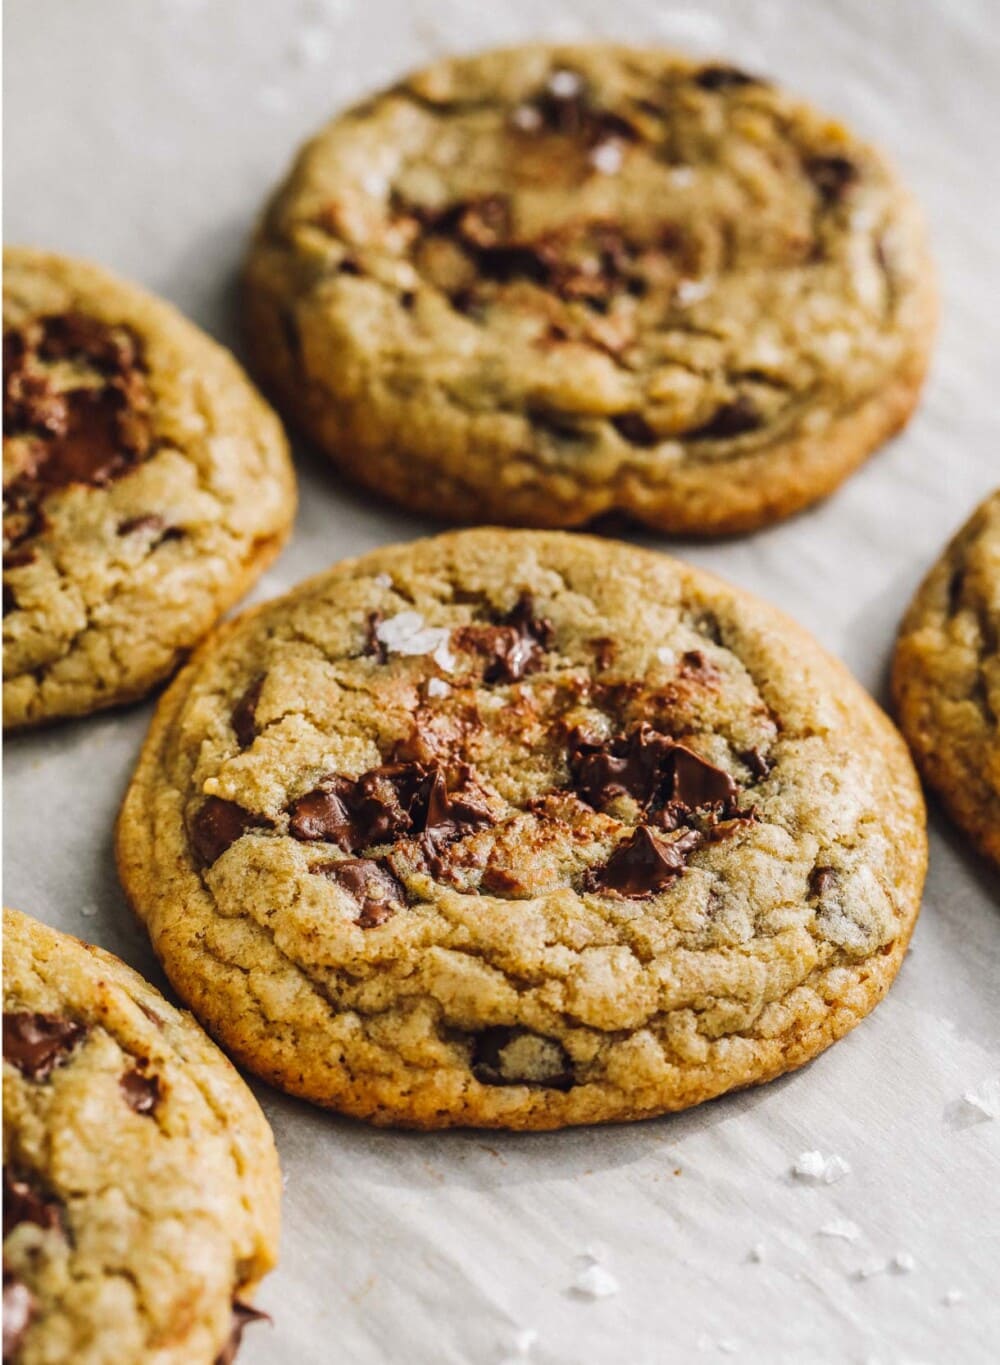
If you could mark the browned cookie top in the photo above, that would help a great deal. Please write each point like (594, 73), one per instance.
(140, 1182)
(144, 482)
(624, 273)
(520, 829)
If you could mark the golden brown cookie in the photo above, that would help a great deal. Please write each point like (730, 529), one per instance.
(538, 285)
(521, 829)
(146, 485)
(141, 1184)
(946, 677)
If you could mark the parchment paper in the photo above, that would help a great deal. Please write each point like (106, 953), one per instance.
(146, 136)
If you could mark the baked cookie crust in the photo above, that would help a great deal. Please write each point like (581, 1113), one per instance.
(946, 677)
(541, 284)
(146, 486)
(141, 1183)
(520, 829)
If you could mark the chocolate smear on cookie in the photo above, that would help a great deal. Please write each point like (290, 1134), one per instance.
(244, 717)
(243, 1316)
(37, 1043)
(371, 883)
(22, 1203)
(141, 1093)
(218, 824)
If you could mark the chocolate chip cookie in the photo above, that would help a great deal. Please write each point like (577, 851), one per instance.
(538, 285)
(141, 1184)
(946, 677)
(521, 829)
(145, 486)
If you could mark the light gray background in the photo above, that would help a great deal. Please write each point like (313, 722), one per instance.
(146, 135)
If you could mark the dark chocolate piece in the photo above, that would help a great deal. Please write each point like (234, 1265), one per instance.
(218, 824)
(37, 1043)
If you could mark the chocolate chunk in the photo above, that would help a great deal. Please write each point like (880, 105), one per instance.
(730, 419)
(634, 428)
(821, 881)
(322, 813)
(643, 864)
(87, 434)
(23, 1204)
(244, 717)
(386, 803)
(243, 1316)
(9, 600)
(218, 824)
(450, 813)
(141, 1093)
(18, 1310)
(694, 782)
(505, 1055)
(69, 336)
(374, 647)
(628, 765)
(513, 647)
(371, 883)
(833, 176)
(651, 768)
(37, 1043)
(724, 78)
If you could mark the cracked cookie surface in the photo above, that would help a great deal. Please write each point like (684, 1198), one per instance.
(946, 677)
(521, 829)
(141, 1184)
(542, 284)
(146, 485)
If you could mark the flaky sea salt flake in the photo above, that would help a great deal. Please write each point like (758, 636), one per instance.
(902, 1263)
(983, 1102)
(818, 1169)
(757, 1253)
(607, 157)
(953, 1298)
(841, 1227)
(594, 1281)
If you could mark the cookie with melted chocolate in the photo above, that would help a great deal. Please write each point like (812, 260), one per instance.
(589, 836)
(145, 486)
(543, 284)
(946, 677)
(140, 1178)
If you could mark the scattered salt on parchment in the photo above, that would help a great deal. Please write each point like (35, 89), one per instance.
(952, 1298)
(757, 1253)
(593, 1281)
(841, 1227)
(818, 1169)
(903, 1263)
